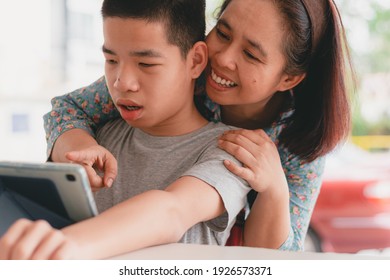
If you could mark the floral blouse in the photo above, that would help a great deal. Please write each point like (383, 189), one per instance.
(90, 107)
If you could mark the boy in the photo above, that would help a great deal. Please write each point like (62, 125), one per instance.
(172, 185)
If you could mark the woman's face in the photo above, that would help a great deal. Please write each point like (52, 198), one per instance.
(245, 54)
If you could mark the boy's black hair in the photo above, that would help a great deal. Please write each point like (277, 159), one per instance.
(184, 19)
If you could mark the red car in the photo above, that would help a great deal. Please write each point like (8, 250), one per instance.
(352, 213)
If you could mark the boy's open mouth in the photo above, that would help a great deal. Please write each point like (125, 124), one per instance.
(132, 108)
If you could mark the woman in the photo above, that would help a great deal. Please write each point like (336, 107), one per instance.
(277, 70)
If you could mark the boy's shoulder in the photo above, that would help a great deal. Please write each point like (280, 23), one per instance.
(118, 130)
(221, 126)
(214, 128)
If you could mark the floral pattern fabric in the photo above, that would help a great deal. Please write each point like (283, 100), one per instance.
(90, 107)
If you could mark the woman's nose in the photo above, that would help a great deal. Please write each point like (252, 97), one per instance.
(226, 57)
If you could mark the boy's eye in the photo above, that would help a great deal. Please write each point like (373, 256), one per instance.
(146, 65)
(111, 61)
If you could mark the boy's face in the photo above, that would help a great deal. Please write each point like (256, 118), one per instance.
(147, 77)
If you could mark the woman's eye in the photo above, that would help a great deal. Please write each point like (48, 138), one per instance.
(222, 35)
(250, 56)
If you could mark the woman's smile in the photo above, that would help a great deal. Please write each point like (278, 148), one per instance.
(224, 82)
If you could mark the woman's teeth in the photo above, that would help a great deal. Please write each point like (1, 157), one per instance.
(221, 81)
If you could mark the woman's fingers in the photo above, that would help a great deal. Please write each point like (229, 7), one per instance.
(100, 164)
(256, 136)
(82, 157)
(240, 171)
(257, 153)
(239, 150)
(110, 169)
(247, 146)
(95, 180)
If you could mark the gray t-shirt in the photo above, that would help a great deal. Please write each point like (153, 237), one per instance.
(147, 162)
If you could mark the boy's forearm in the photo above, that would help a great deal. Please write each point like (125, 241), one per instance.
(71, 140)
(142, 221)
(151, 218)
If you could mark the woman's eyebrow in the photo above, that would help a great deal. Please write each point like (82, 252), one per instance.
(257, 46)
(223, 22)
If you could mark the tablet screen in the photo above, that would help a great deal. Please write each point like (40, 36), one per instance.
(40, 190)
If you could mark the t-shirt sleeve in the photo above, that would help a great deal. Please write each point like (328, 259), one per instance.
(231, 188)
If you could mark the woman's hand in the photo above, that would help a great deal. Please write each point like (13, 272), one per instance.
(100, 164)
(77, 146)
(261, 168)
(26, 240)
(268, 222)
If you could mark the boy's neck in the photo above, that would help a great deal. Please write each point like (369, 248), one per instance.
(190, 122)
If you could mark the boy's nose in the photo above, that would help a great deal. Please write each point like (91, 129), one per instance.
(126, 83)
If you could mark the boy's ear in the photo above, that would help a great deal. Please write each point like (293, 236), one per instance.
(290, 81)
(198, 59)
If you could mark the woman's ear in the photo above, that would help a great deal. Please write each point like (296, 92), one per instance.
(198, 59)
(290, 81)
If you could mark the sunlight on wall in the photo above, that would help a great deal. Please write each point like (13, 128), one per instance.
(25, 67)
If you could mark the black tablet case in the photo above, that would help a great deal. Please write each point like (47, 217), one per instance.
(30, 198)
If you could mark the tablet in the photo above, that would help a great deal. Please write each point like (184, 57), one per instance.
(57, 192)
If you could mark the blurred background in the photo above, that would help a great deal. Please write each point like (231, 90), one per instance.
(51, 47)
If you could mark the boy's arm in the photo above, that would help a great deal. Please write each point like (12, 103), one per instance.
(151, 218)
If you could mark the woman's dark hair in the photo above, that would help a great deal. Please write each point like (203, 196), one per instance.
(184, 19)
(321, 119)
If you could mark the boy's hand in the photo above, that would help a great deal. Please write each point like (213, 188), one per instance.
(96, 159)
(35, 240)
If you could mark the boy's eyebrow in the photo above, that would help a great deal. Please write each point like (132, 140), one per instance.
(105, 50)
(146, 53)
(140, 53)
(253, 43)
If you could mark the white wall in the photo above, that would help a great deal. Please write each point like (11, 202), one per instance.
(30, 73)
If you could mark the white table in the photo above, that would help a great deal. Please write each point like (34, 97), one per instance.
(211, 252)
